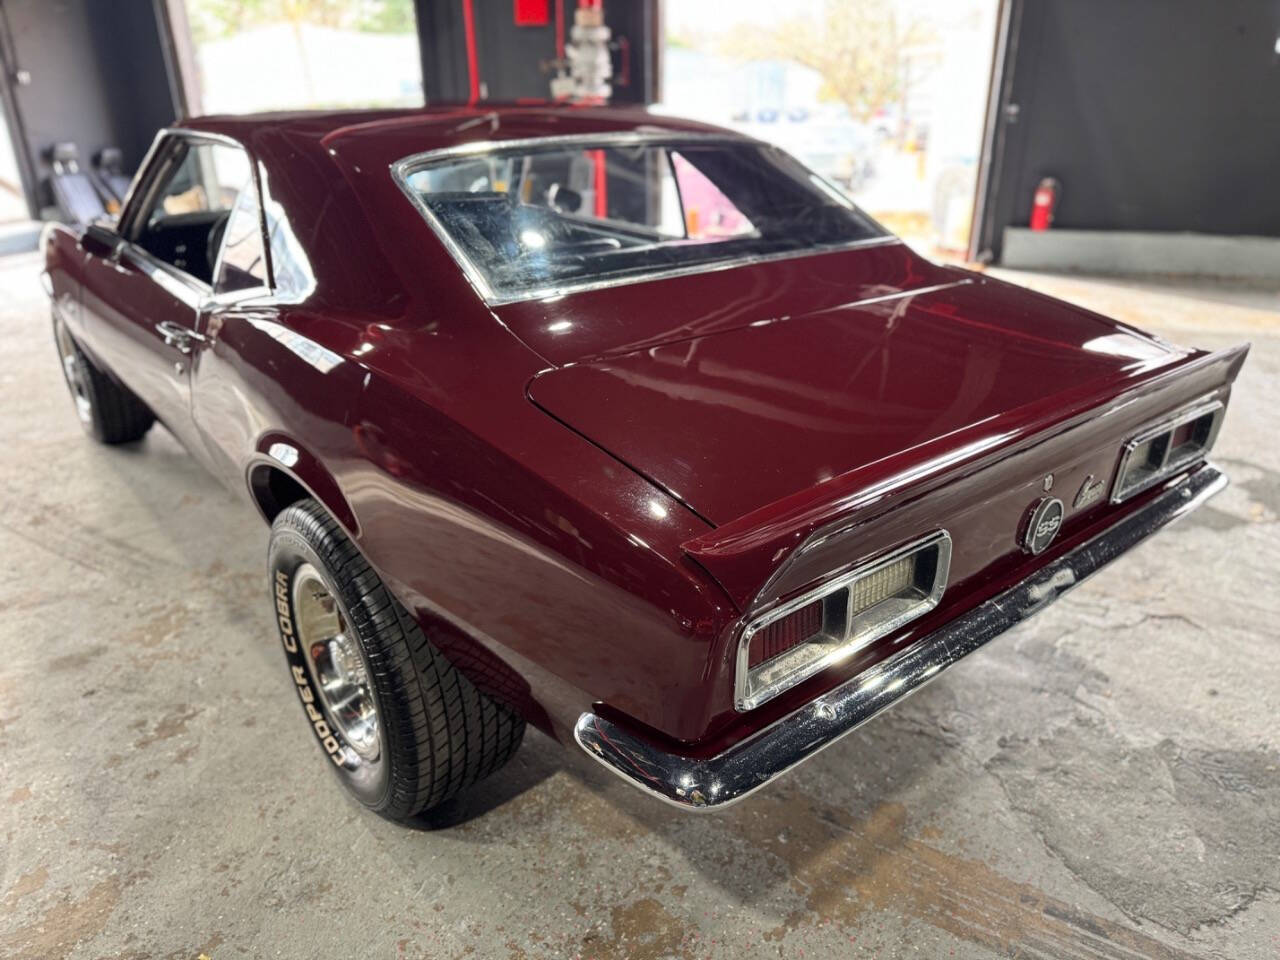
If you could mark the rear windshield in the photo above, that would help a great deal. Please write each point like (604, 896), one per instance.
(545, 219)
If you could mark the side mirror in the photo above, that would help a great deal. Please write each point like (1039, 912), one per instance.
(99, 240)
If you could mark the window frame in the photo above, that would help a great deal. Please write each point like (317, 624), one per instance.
(403, 169)
(141, 197)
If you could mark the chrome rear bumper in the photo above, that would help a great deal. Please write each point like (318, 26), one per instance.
(747, 766)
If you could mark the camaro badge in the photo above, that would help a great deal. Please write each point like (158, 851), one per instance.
(1090, 492)
(1042, 525)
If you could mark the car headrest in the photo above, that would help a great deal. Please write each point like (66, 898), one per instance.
(110, 159)
(64, 153)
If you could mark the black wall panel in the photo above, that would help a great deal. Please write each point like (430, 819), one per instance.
(513, 60)
(97, 78)
(444, 55)
(1156, 115)
(134, 75)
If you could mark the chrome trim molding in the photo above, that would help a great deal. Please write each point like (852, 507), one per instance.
(1167, 424)
(402, 169)
(850, 642)
(147, 159)
(205, 135)
(182, 285)
(745, 767)
(622, 138)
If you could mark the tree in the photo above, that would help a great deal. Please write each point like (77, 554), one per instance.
(389, 16)
(215, 19)
(858, 48)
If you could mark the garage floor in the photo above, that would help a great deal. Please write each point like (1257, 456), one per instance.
(1102, 783)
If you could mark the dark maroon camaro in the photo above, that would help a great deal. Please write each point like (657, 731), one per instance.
(628, 427)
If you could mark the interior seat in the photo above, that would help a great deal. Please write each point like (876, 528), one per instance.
(73, 191)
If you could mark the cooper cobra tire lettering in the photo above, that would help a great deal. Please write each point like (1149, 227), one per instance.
(303, 685)
(282, 609)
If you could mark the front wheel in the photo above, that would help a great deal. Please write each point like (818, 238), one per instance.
(108, 412)
(398, 724)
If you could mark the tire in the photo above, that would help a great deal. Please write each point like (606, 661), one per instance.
(108, 412)
(433, 733)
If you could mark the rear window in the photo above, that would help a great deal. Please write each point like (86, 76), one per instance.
(541, 220)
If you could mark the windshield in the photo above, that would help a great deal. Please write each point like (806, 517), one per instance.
(546, 219)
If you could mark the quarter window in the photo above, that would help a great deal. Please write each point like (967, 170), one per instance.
(243, 263)
(200, 186)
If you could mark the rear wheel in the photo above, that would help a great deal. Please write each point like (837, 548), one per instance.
(108, 412)
(398, 724)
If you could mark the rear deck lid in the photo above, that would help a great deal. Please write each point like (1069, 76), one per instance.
(732, 421)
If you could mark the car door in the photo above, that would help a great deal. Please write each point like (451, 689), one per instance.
(145, 297)
(242, 296)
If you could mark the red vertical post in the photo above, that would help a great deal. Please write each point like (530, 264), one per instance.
(473, 68)
(601, 184)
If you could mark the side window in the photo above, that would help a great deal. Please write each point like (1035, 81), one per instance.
(243, 265)
(187, 214)
(708, 213)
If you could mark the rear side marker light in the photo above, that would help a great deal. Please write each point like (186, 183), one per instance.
(833, 621)
(1165, 448)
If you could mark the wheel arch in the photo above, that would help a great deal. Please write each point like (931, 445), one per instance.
(282, 472)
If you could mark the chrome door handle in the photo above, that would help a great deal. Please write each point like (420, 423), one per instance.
(177, 336)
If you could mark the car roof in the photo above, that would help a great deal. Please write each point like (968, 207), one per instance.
(327, 170)
(368, 136)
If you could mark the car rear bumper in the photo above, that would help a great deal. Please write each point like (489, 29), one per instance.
(745, 767)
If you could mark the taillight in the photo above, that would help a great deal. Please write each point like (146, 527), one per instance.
(781, 635)
(829, 623)
(1165, 448)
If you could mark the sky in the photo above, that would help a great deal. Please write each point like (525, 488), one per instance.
(714, 16)
(703, 17)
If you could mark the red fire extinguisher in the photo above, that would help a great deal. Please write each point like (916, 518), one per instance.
(1044, 203)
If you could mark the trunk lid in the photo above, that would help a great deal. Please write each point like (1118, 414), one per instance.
(730, 422)
(815, 441)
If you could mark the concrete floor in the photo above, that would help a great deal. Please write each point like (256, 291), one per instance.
(1102, 783)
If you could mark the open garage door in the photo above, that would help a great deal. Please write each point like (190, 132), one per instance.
(886, 98)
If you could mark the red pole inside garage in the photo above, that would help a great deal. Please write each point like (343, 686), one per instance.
(473, 70)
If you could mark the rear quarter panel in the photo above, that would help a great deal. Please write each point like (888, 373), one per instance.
(535, 561)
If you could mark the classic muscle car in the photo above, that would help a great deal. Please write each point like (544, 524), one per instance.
(627, 427)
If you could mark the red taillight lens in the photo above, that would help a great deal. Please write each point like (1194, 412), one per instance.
(781, 635)
(1184, 434)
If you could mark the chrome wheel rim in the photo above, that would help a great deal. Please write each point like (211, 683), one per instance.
(337, 665)
(74, 372)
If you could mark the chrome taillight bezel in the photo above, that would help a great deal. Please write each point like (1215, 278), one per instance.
(1171, 460)
(857, 632)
